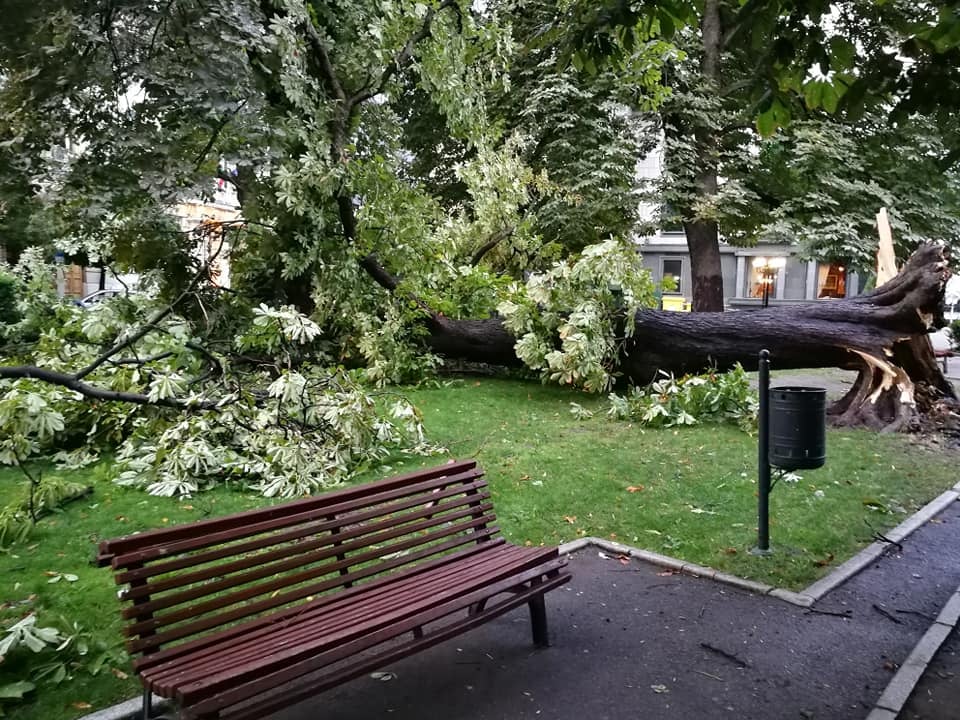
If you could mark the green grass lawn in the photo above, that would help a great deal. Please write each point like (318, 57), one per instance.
(689, 493)
(693, 489)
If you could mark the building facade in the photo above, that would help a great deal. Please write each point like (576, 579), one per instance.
(666, 255)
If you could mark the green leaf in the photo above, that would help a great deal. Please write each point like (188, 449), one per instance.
(777, 115)
(843, 53)
(667, 26)
(813, 94)
(781, 113)
(766, 125)
(829, 98)
(16, 690)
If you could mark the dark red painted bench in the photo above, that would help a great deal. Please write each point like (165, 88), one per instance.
(241, 615)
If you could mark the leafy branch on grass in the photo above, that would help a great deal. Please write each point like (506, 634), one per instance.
(49, 655)
(688, 400)
(43, 495)
(254, 406)
(127, 339)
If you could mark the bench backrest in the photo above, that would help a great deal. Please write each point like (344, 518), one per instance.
(186, 581)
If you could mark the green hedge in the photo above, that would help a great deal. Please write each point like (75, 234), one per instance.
(8, 299)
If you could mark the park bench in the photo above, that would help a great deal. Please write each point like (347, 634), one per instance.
(241, 615)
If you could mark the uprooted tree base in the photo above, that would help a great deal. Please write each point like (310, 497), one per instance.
(881, 334)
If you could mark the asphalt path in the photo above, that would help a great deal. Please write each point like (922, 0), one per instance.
(937, 695)
(631, 640)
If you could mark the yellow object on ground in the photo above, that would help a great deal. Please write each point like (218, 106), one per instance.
(677, 303)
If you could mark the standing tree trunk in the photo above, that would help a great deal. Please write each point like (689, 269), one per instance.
(703, 235)
(703, 242)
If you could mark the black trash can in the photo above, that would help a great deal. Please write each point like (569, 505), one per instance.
(798, 434)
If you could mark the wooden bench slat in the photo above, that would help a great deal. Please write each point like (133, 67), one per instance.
(338, 618)
(264, 626)
(316, 512)
(162, 567)
(338, 613)
(335, 617)
(325, 547)
(295, 662)
(130, 543)
(272, 570)
(301, 689)
(210, 622)
(159, 568)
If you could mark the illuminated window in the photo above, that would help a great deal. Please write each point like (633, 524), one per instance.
(831, 280)
(763, 276)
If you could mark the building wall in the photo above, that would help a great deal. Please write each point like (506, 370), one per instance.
(191, 214)
(797, 281)
(654, 255)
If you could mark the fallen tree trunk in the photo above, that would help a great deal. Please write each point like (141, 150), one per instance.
(882, 334)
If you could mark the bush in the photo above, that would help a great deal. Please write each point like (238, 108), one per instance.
(8, 300)
(689, 400)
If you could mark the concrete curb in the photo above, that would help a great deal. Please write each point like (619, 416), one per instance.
(873, 551)
(902, 685)
(804, 598)
(130, 709)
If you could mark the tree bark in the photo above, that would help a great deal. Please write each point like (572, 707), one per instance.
(703, 236)
(703, 242)
(882, 334)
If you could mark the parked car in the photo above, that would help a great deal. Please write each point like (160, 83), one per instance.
(93, 298)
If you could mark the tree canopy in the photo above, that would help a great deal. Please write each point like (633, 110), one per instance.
(416, 179)
(352, 247)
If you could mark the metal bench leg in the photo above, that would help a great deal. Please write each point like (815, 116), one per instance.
(147, 704)
(538, 621)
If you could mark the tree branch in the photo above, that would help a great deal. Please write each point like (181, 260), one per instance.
(71, 382)
(326, 64)
(144, 361)
(216, 367)
(216, 134)
(401, 58)
(150, 325)
(494, 240)
(380, 275)
(160, 23)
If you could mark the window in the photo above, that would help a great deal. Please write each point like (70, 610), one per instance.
(673, 268)
(831, 280)
(763, 274)
(670, 222)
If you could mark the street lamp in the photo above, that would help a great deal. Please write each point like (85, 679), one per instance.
(768, 269)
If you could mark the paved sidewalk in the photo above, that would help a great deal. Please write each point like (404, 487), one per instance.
(632, 640)
(937, 695)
